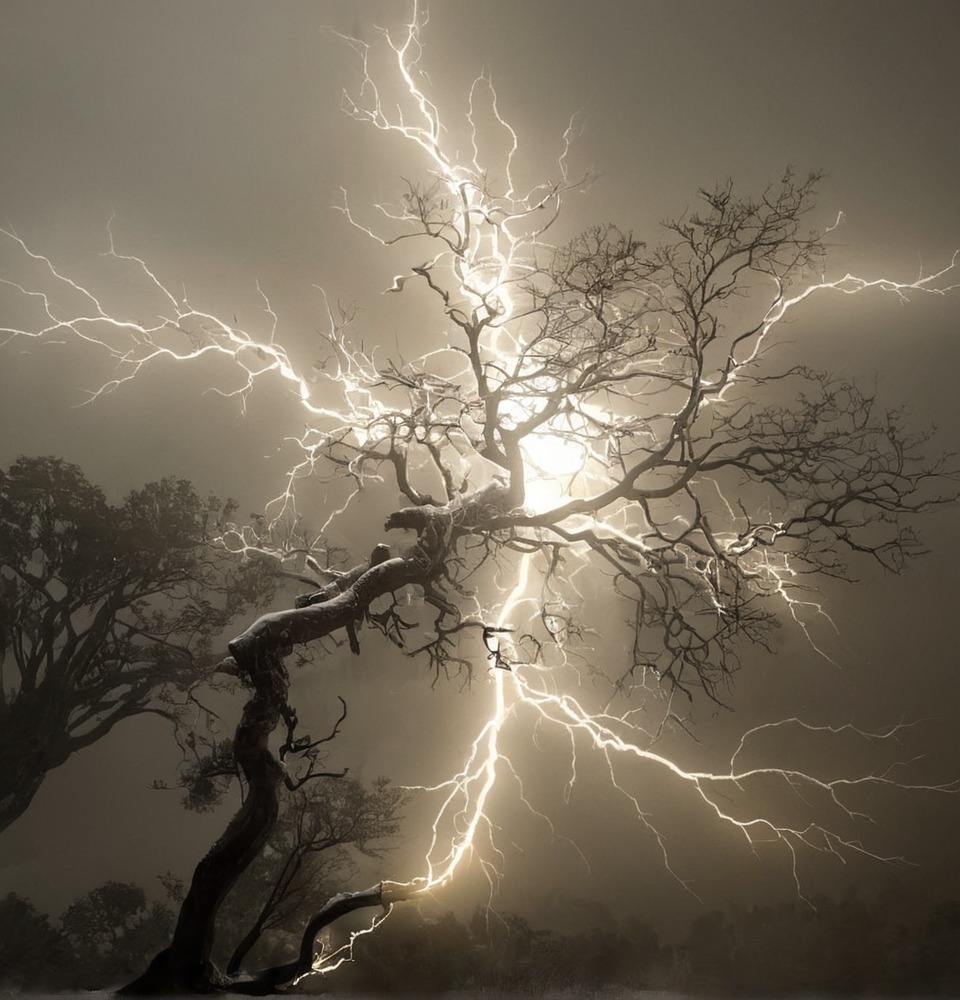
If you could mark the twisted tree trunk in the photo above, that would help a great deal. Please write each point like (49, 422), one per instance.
(186, 965)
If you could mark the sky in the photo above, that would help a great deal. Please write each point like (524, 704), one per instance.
(212, 135)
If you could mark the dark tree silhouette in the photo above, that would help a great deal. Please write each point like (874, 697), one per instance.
(106, 612)
(309, 854)
(111, 931)
(33, 954)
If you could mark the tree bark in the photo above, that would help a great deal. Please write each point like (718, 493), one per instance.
(186, 966)
(270, 980)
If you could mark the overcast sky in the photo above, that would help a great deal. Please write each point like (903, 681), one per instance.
(212, 134)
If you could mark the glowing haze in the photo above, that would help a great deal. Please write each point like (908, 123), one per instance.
(486, 248)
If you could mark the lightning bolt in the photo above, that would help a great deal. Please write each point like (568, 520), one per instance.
(486, 240)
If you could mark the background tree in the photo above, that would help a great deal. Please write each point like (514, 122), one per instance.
(323, 826)
(111, 931)
(938, 959)
(106, 612)
(33, 954)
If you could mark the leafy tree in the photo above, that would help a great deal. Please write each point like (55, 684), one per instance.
(436, 953)
(33, 954)
(106, 612)
(643, 944)
(501, 952)
(709, 948)
(111, 931)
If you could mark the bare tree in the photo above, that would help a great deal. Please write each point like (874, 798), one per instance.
(600, 410)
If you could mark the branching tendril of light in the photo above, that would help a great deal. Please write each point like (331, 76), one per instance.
(583, 373)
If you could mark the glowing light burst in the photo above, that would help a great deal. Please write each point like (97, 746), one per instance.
(487, 254)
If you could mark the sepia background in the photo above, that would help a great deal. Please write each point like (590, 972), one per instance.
(211, 135)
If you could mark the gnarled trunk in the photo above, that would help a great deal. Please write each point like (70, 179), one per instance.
(186, 966)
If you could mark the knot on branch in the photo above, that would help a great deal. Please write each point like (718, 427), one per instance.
(262, 664)
(411, 518)
(434, 528)
(484, 505)
(435, 525)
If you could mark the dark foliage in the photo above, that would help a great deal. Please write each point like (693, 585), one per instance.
(33, 953)
(111, 931)
(103, 937)
(849, 946)
(106, 612)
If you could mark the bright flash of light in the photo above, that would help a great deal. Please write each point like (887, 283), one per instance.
(556, 455)
(485, 244)
(465, 794)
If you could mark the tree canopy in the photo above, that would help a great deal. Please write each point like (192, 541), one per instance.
(106, 612)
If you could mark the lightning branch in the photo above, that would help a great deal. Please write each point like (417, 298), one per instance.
(593, 415)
